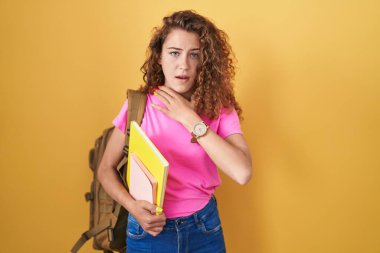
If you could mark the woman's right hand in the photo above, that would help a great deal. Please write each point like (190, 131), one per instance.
(145, 213)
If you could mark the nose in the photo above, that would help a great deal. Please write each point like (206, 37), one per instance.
(183, 62)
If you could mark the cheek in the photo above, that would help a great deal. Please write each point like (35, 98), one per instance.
(195, 65)
(166, 64)
(163, 64)
(166, 70)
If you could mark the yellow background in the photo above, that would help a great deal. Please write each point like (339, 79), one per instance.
(308, 81)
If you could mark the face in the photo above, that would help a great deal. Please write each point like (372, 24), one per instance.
(180, 58)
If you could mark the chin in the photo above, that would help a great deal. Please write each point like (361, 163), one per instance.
(179, 88)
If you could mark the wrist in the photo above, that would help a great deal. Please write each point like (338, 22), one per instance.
(129, 203)
(199, 130)
(191, 121)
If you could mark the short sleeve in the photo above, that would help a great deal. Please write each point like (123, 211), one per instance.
(121, 119)
(229, 123)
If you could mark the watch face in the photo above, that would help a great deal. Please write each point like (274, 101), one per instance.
(200, 129)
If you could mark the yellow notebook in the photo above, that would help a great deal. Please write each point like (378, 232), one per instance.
(150, 156)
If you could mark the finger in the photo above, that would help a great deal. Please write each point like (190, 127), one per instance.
(147, 205)
(164, 110)
(154, 234)
(156, 229)
(168, 90)
(163, 97)
(175, 97)
(155, 220)
(157, 211)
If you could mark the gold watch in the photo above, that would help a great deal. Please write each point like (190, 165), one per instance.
(199, 130)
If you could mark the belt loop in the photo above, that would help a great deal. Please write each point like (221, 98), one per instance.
(196, 217)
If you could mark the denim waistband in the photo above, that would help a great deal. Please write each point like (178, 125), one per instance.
(193, 218)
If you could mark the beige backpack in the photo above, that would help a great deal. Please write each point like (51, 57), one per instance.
(108, 219)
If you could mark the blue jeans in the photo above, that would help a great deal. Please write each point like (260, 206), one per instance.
(200, 232)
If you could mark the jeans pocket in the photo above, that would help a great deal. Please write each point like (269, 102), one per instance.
(210, 222)
(134, 230)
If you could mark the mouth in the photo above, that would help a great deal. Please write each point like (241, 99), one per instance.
(182, 77)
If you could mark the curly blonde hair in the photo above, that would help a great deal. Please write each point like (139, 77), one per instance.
(213, 85)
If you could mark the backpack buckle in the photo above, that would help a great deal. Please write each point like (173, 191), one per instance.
(126, 150)
(110, 234)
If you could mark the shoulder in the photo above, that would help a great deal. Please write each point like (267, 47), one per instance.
(228, 122)
(228, 112)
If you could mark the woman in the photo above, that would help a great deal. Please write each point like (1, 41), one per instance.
(193, 119)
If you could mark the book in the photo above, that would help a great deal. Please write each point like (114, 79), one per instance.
(143, 185)
(150, 156)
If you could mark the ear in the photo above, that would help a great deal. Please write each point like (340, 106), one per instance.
(159, 60)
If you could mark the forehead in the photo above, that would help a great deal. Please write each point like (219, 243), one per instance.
(182, 39)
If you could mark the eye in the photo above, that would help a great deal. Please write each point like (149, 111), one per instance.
(194, 55)
(174, 53)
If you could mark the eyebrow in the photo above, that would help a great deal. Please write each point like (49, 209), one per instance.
(180, 49)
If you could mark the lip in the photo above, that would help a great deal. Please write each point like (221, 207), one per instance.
(184, 77)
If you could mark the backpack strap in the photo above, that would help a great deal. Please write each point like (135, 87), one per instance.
(89, 234)
(136, 109)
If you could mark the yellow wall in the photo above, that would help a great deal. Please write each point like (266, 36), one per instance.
(308, 81)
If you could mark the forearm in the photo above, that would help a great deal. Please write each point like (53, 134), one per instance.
(228, 158)
(233, 160)
(112, 184)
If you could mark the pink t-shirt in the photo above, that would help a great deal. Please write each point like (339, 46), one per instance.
(193, 176)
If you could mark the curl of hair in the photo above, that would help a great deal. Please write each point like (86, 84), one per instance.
(216, 71)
